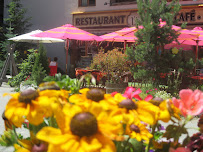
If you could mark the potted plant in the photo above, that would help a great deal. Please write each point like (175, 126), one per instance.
(115, 67)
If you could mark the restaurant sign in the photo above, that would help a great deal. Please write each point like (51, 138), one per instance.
(191, 16)
(97, 20)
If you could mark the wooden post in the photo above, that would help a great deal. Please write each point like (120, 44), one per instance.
(196, 55)
(9, 61)
(125, 42)
(86, 48)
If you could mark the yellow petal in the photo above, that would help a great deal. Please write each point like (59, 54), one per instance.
(90, 144)
(71, 145)
(25, 143)
(84, 91)
(164, 114)
(52, 135)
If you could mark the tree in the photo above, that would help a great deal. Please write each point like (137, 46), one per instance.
(15, 24)
(152, 37)
(41, 66)
(17, 18)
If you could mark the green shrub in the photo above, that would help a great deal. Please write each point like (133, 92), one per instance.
(25, 69)
(65, 82)
(113, 63)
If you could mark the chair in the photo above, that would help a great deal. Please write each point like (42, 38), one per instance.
(53, 70)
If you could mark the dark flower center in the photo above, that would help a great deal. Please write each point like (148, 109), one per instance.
(84, 124)
(3, 116)
(95, 94)
(28, 95)
(128, 104)
(49, 86)
(39, 148)
(156, 101)
(135, 128)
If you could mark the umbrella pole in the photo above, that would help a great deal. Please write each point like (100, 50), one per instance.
(67, 46)
(196, 55)
(125, 45)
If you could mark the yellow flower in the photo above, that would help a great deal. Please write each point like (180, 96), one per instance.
(174, 111)
(32, 105)
(175, 50)
(89, 130)
(131, 109)
(89, 96)
(138, 131)
(166, 109)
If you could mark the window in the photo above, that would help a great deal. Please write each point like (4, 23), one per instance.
(115, 2)
(85, 3)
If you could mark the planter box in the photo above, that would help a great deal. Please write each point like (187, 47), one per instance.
(118, 87)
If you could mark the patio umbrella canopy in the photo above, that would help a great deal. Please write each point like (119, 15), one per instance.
(69, 32)
(115, 37)
(31, 39)
(197, 40)
(184, 33)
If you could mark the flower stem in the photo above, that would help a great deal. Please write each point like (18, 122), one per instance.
(150, 141)
(126, 143)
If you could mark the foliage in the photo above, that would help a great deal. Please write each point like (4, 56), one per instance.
(65, 82)
(25, 69)
(147, 55)
(5, 44)
(41, 66)
(19, 24)
(113, 63)
(43, 58)
(38, 72)
(17, 18)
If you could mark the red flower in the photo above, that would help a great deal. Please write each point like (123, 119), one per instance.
(131, 92)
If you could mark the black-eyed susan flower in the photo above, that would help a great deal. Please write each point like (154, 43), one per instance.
(167, 109)
(130, 108)
(32, 105)
(91, 96)
(138, 131)
(8, 125)
(84, 130)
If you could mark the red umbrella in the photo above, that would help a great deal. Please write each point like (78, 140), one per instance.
(67, 32)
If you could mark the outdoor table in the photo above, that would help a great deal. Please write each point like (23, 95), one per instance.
(199, 78)
(96, 73)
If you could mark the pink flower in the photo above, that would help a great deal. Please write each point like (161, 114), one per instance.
(150, 90)
(114, 93)
(131, 92)
(155, 89)
(180, 149)
(190, 103)
(147, 91)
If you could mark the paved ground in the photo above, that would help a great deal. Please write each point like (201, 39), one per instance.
(5, 88)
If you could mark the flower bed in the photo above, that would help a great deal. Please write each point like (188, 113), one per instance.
(93, 121)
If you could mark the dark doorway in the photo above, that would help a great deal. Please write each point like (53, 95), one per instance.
(1, 12)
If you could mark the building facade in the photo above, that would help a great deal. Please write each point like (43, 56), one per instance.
(96, 16)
